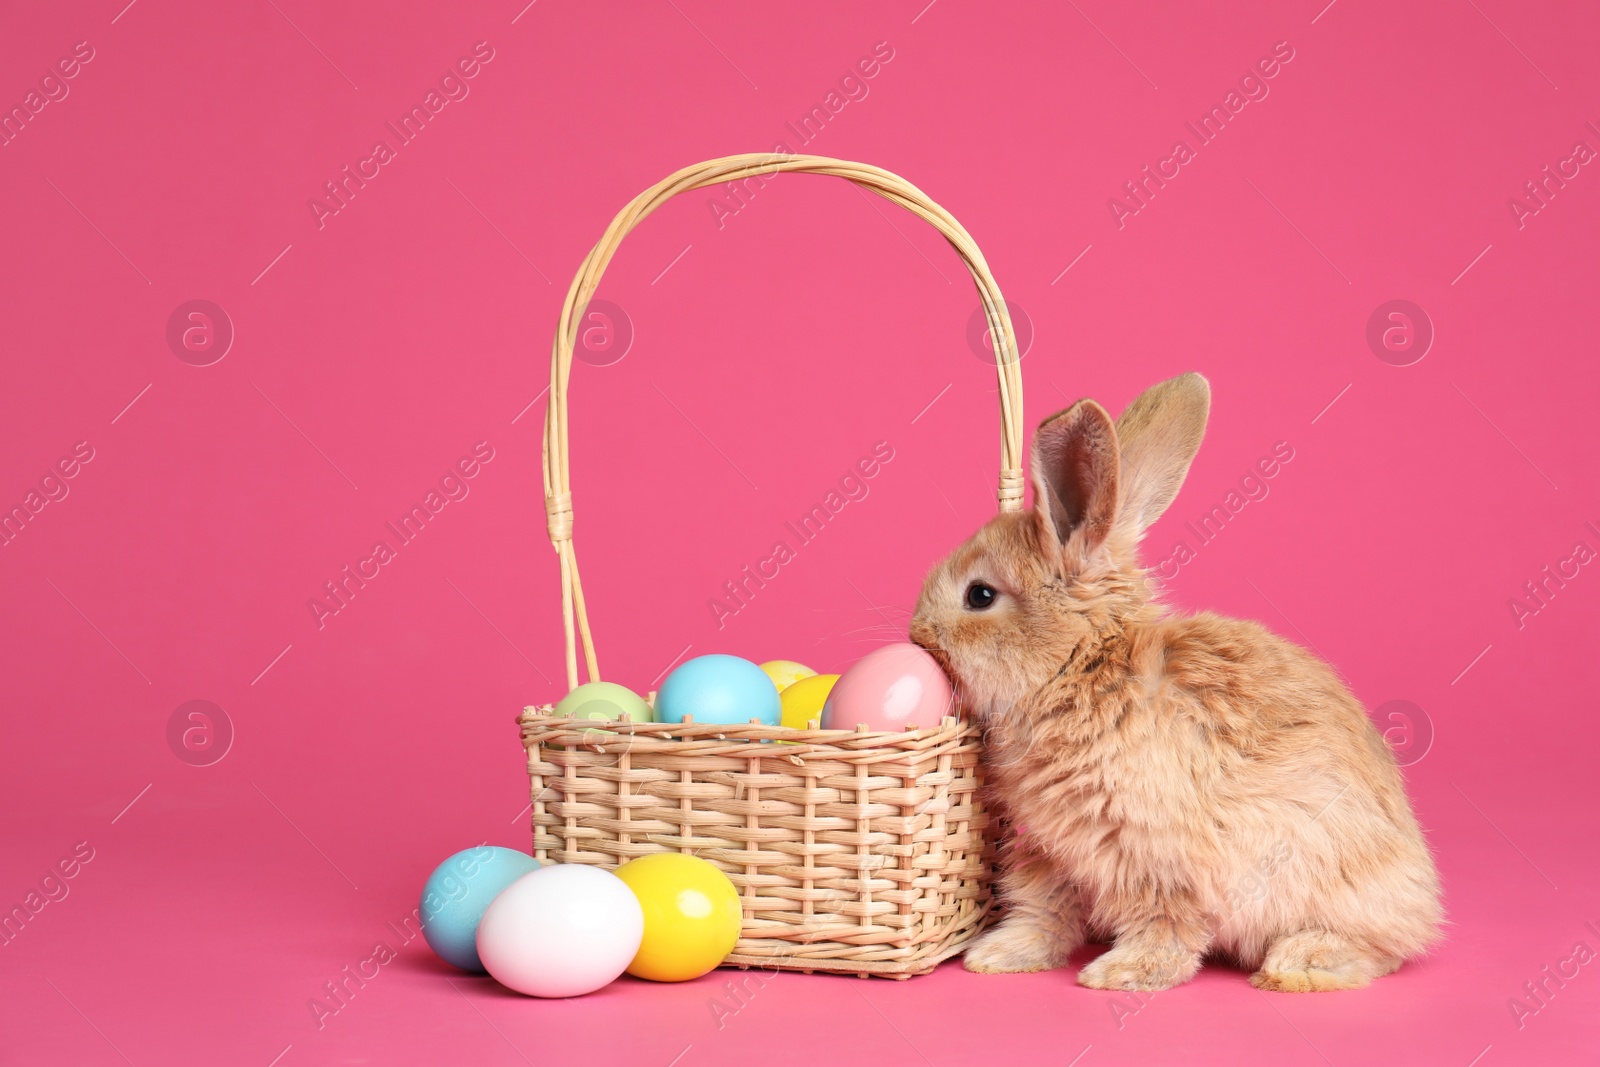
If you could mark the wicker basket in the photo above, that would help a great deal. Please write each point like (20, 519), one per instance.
(854, 851)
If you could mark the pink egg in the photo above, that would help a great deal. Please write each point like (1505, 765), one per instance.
(890, 688)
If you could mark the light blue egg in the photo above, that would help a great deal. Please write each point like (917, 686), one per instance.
(719, 689)
(457, 893)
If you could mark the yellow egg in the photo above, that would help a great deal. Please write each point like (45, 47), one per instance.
(692, 915)
(786, 672)
(803, 700)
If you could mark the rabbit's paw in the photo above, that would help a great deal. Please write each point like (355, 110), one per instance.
(1014, 947)
(1139, 966)
(1313, 961)
(1310, 980)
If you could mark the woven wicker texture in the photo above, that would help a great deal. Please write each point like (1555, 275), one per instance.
(853, 851)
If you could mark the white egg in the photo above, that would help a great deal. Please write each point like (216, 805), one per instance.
(561, 931)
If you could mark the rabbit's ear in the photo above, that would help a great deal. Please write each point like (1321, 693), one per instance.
(1159, 434)
(1075, 478)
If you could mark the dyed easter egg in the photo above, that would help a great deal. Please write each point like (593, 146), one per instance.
(890, 688)
(786, 672)
(718, 689)
(692, 915)
(456, 894)
(803, 701)
(605, 702)
(561, 931)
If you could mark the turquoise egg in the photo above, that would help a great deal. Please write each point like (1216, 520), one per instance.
(459, 891)
(719, 689)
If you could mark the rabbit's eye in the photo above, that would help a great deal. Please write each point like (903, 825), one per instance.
(980, 597)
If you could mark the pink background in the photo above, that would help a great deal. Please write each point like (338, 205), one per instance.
(770, 353)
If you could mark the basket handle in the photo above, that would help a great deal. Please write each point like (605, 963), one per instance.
(892, 187)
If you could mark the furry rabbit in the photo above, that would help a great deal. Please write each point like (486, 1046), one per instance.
(1183, 785)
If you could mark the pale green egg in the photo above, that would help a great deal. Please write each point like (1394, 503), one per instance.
(605, 702)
